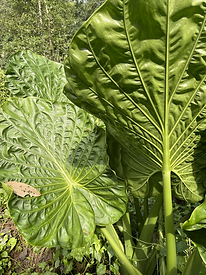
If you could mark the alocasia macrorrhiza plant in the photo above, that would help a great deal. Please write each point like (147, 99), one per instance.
(139, 66)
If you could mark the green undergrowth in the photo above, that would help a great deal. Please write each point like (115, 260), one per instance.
(96, 258)
(185, 246)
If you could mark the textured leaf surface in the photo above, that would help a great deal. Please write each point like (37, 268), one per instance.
(140, 66)
(60, 150)
(29, 74)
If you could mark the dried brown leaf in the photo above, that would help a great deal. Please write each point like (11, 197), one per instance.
(23, 189)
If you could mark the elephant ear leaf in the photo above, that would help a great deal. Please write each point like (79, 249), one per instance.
(60, 151)
(140, 66)
(29, 74)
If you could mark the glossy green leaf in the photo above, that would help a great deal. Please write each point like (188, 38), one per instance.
(29, 74)
(140, 66)
(195, 228)
(197, 219)
(60, 150)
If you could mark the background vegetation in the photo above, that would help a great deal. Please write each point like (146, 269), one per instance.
(42, 26)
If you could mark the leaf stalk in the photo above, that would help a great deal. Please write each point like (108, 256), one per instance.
(169, 224)
(108, 233)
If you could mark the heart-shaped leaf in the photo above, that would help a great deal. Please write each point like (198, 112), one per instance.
(29, 74)
(140, 66)
(60, 150)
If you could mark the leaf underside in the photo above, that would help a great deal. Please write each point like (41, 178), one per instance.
(60, 150)
(140, 66)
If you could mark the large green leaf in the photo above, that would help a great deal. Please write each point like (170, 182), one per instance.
(61, 151)
(29, 74)
(140, 66)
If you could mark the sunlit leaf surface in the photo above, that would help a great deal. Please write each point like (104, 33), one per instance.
(29, 74)
(140, 65)
(60, 150)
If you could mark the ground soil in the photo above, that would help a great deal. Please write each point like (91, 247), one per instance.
(23, 256)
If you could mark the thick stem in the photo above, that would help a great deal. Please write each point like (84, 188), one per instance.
(117, 249)
(166, 169)
(169, 224)
(145, 239)
(129, 245)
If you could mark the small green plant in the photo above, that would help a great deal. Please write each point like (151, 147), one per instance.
(97, 257)
(7, 244)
